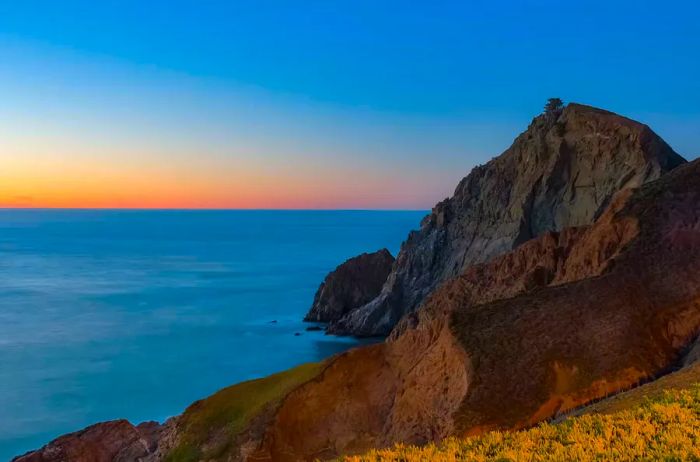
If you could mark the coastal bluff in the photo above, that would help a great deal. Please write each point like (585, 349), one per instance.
(561, 172)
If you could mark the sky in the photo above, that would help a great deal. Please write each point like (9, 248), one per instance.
(314, 104)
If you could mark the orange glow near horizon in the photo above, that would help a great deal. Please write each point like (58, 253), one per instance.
(44, 164)
(170, 196)
(29, 182)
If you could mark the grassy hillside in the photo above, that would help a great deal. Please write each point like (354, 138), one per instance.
(659, 421)
(208, 428)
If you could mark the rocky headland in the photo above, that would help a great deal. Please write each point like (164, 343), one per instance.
(561, 172)
(350, 286)
(563, 271)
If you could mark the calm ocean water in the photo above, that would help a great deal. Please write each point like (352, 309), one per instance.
(135, 314)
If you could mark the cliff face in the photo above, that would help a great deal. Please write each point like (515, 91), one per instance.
(561, 172)
(350, 285)
(583, 340)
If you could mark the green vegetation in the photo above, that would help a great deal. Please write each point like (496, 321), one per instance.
(208, 428)
(660, 421)
(554, 106)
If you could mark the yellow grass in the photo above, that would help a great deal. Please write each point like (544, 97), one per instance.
(665, 427)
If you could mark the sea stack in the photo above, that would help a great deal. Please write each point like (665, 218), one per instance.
(350, 285)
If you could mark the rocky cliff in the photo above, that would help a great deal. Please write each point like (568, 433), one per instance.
(561, 172)
(350, 285)
(563, 320)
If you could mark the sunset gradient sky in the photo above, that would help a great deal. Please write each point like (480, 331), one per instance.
(315, 104)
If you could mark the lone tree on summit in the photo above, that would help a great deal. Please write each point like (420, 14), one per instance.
(553, 107)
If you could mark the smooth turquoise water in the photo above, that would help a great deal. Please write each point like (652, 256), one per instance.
(135, 314)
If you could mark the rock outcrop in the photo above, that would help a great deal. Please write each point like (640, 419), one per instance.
(114, 441)
(561, 172)
(350, 286)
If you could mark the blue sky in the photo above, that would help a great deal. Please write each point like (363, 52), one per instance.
(318, 103)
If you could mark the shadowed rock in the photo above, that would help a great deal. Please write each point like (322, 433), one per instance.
(350, 285)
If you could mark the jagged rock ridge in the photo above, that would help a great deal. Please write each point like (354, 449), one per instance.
(350, 285)
(561, 172)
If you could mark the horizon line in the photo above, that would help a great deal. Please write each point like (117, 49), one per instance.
(223, 209)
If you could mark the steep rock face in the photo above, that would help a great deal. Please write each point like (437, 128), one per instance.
(554, 258)
(351, 285)
(559, 173)
(563, 320)
(583, 340)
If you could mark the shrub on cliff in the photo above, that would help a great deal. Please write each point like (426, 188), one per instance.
(553, 107)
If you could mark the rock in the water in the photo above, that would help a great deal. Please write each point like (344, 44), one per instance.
(351, 285)
(560, 172)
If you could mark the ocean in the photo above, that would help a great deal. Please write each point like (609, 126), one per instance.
(135, 314)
